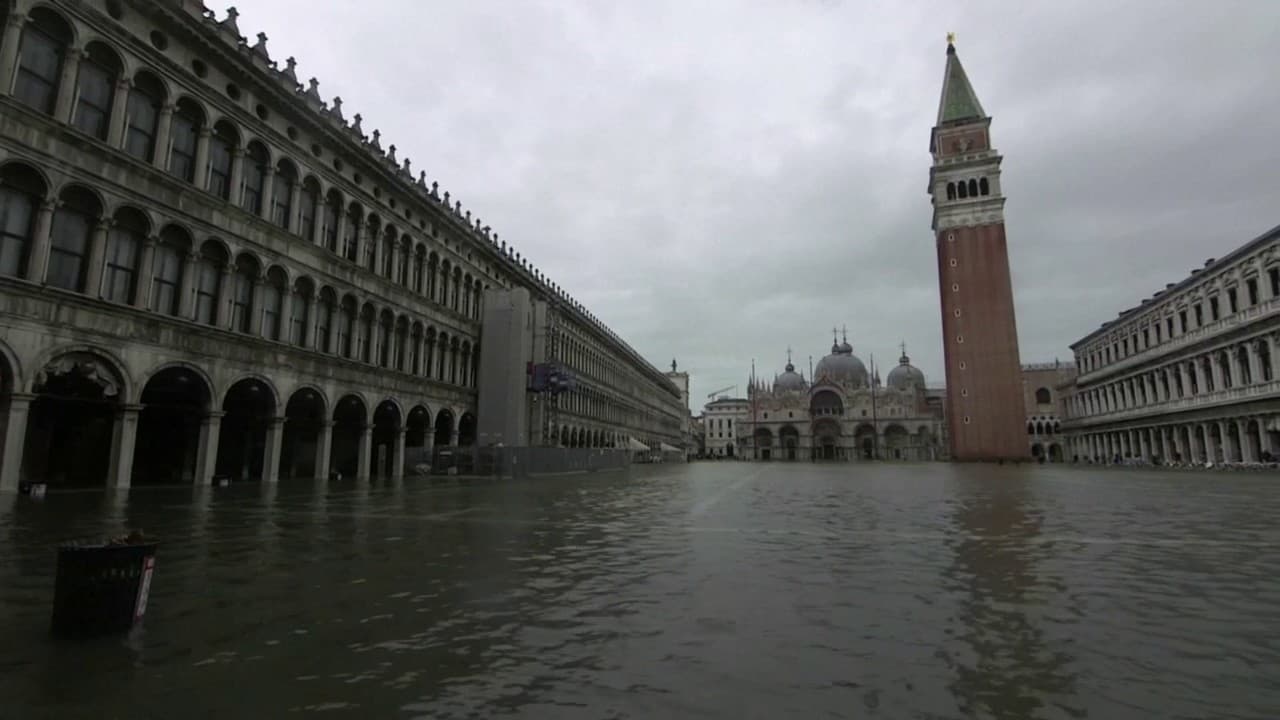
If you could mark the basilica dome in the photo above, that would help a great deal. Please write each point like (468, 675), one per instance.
(906, 376)
(789, 380)
(841, 366)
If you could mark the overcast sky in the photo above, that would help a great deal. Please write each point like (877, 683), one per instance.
(718, 180)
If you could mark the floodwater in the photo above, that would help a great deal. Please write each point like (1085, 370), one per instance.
(712, 590)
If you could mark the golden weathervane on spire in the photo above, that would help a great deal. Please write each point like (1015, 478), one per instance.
(951, 38)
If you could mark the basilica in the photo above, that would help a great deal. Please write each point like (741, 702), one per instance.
(843, 412)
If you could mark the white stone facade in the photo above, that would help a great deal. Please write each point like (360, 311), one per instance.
(1190, 375)
(207, 270)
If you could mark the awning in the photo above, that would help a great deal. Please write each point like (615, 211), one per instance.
(634, 444)
(667, 448)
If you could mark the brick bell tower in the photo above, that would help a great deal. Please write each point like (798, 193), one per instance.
(985, 413)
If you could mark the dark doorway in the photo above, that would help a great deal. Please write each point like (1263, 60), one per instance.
(304, 417)
(386, 428)
(71, 427)
(174, 403)
(467, 430)
(242, 441)
(444, 428)
(348, 425)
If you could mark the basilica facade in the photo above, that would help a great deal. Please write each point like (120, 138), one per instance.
(843, 412)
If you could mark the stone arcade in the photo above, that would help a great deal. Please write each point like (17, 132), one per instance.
(207, 270)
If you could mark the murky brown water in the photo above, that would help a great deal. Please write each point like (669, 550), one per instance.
(720, 590)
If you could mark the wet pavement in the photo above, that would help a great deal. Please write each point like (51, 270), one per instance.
(712, 590)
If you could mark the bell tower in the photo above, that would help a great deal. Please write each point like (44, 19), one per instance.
(986, 418)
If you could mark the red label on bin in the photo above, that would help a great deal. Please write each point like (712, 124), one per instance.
(148, 566)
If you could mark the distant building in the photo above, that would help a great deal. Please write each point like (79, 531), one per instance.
(723, 420)
(1192, 373)
(1041, 396)
(845, 413)
(980, 336)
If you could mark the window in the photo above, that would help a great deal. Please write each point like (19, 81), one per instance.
(185, 134)
(308, 200)
(44, 40)
(1213, 308)
(1231, 300)
(254, 179)
(351, 238)
(346, 329)
(272, 294)
(325, 309)
(332, 214)
(1252, 285)
(984, 188)
(221, 145)
(1169, 326)
(388, 252)
(951, 191)
(384, 342)
(299, 313)
(124, 243)
(1182, 321)
(282, 195)
(208, 276)
(167, 272)
(366, 338)
(20, 192)
(143, 117)
(95, 89)
(1043, 396)
(70, 239)
(242, 298)
(1274, 275)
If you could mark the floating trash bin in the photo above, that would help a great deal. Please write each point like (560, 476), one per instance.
(222, 481)
(35, 490)
(102, 588)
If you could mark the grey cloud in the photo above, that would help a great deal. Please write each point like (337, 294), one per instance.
(721, 180)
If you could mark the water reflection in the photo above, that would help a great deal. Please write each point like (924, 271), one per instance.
(1005, 667)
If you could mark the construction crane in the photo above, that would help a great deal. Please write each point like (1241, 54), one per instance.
(712, 396)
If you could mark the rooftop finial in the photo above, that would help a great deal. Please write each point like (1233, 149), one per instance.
(844, 333)
(788, 354)
(951, 38)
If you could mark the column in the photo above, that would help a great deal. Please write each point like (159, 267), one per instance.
(271, 453)
(207, 454)
(334, 318)
(1255, 361)
(15, 434)
(124, 438)
(1230, 449)
(200, 176)
(1215, 369)
(67, 84)
(1246, 443)
(363, 453)
(295, 207)
(9, 52)
(187, 286)
(40, 242)
(395, 262)
(1273, 349)
(146, 268)
(237, 175)
(1165, 456)
(1216, 449)
(97, 260)
(1144, 446)
(1264, 438)
(1181, 450)
(397, 452)
(255, 306)
(119, 107)
(284, 323)
(377, 251)
(342, 232)
(1233, 367)
(160, 158)
(362, 245)
(1198, 370)
(313, 316)
(324, 443)
(317, 236)
(268, 193)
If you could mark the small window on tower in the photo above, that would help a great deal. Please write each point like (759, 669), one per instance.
(951, 237)
(963, 365)
(983, 187)
(953, 262)
(964, 191)
(964, 392)
(960, 339)
(951, 191)
(956, 312)
(966, 419)
(955, 287)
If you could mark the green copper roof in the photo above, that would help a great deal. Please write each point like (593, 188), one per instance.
(959, 102)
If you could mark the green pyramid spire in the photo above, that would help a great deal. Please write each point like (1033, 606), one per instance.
(958, 102)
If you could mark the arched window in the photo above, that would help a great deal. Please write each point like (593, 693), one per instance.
(332, 215)
(384, 340)
(282, 194)
(73, 226)
(188, 118)
(466, 295)
(367, 322)
(124, 246)
(309, 201)
(428, 357)
(442, 350)
(222, 145)
(21, 191)
(453, 361)
(419, 261)
(1043, 396)
(433, 263)
(166, 270)
(388, 252)
(446, 270)
(951, 191)
(324, 319)
(973, 188)
(246, 276)
(406, 258)
(254, 178)
(1031, 428)
(415, 349)
(475, 305)
(347, 328)
(457, 289)
(300, 311)
(143, 117)
(271, 299)
(45, 39)
(95, 89)
(984, 188)
(371, 244)
(213, 258)
(963, 191)
(351, 237)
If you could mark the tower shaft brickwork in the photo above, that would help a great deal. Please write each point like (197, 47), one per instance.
(985, 413)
